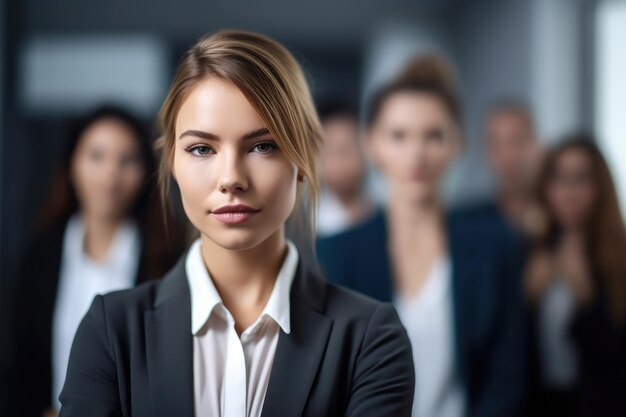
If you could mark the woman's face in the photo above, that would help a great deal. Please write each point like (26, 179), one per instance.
(238, 188)
(570, 190)
(107, 169)
(413, 142)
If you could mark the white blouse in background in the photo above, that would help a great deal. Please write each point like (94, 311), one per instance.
(332, 216)
(231, 373)
(80, 280)
(557, 350)
(429, 321)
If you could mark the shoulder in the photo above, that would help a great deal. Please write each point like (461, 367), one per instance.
(352, 241)
(122, 312)
(481, 215)
(371, 225)
(140, 297)
(483, 222)
(350, 308)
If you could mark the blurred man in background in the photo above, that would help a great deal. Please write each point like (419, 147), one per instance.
(343, 201)
(514, 154)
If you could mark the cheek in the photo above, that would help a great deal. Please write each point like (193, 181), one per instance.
(194, 181)
(392, 157)
(274, 182)
(84, 175)
(585, 198)
(555, 196)
(132, 179)
(439, 157)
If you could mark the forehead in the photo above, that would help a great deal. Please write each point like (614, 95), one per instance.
(507, 118)
(414, 108)
(573, 159)
(217, 106)
(108, 131)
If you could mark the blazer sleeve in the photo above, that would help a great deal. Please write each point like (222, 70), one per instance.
(91, 387)
(384, 378)
(503, 391)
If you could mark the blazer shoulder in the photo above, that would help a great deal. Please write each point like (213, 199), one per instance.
(347, 305)
(482, 221)
(122, 308)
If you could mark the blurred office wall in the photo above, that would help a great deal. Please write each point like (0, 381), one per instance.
(610, 80)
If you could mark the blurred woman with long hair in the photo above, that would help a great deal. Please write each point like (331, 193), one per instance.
(102, 229)
(576, 284)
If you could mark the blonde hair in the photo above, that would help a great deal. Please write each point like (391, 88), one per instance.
(273, 82)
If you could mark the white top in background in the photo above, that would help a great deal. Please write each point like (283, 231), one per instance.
(80, 280)
(558, 353)
(429, 321)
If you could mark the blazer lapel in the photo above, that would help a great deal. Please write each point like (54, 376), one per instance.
(298, 354)
(169, 347)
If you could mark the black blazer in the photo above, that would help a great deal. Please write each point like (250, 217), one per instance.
(30, 374)
(346, 355)
(489, 324)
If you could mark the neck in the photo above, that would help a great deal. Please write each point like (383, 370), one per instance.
(99, 234)
(413, 214)
(245, 278)
(356, 204)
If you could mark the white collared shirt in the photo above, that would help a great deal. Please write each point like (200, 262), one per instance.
(80, 280)
(231, 373)
(429, 322)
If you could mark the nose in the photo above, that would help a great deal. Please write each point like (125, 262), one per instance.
(232, 176)
(418, 149)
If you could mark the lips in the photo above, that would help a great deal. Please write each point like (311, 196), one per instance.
(234, 214)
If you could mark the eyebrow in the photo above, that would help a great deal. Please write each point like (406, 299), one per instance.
(210, 136)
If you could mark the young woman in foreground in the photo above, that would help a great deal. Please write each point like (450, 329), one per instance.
(238, 327)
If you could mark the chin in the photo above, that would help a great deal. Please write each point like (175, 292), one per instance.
(237, 239)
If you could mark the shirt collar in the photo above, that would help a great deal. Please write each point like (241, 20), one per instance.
(204, 295)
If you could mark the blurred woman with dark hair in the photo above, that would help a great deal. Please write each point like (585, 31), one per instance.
(102, 229)
(576, 283)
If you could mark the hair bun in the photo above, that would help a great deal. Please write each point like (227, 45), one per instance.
(430, 69)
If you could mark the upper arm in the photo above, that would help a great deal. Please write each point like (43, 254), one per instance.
(384, 377)
(91, 386)
(505, 379)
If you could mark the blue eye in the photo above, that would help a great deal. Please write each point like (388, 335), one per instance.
(265, 147)
(199, 150)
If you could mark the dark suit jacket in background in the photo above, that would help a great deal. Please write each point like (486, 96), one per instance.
(346, 355)
(30, 378)
(489, 325)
